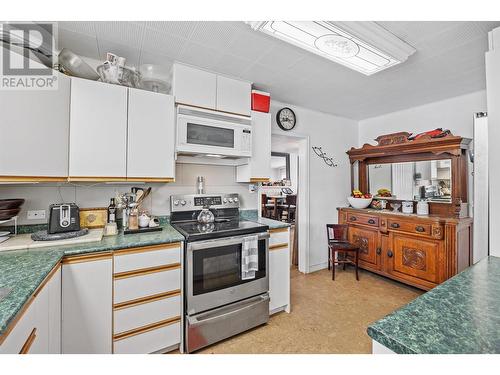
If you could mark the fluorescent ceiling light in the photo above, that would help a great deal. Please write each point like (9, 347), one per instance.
(363, 46)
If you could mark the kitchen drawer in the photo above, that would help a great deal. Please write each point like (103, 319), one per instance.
(409, 226)
(362, 219)
(129, 288)
(146, 257)
(279, 236)
(149, 341)
(143, 314)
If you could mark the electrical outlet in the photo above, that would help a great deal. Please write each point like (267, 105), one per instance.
(36, 215)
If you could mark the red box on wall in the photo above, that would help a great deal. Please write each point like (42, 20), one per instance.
(261, 101)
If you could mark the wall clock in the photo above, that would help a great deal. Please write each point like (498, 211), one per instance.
(286, 119)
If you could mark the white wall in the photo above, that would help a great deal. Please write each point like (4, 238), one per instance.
(493, 87)
(219, 179)
(455, 114)
(328, 187)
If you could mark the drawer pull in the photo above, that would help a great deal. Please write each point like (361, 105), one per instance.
(389, 253)
(379, 250)
(353, 218)
(395, 225)
(420, 228)
(371, 221)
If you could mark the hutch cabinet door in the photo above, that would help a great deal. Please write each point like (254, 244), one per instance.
(414, 258)
(367, 240)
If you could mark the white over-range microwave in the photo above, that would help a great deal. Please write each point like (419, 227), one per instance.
(212, 133)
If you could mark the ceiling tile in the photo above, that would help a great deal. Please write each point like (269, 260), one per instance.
(282, 56)
(82, 27)
(231, 65)
(218, 35)
(84, 45)
(251, 45)
(122, 32)
(198, 55)
(181, 29)
(159, 43)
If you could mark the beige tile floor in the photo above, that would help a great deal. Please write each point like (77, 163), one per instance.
(327, 316)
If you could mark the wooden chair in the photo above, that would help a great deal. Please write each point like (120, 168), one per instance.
(267, 208)
(289, 207)
(338, 243)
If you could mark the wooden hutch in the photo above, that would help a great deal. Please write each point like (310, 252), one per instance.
(422, 251)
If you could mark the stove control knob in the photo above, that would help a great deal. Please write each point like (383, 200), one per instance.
(183, 202)
(230, 200)
(224, 200)
(235, 200)
(176, 202)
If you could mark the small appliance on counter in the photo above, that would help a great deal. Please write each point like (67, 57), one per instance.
(63, 217)
(64, 223)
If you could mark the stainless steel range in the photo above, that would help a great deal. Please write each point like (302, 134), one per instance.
(226, 278)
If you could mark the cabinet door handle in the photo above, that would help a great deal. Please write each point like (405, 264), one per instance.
(353, 218)
(395, 225)
(389, 253)
(371, 221)
(420, 228)
(379, 250)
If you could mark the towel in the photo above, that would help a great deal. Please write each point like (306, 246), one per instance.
(249, 257)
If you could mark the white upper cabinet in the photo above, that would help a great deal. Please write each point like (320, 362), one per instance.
(258, 168)
(194, 86)
(151, 136)
(34, 132)
(233, 95)
(98, 130)
(201, 88)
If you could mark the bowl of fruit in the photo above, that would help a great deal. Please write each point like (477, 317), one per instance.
(384, 193)
(359, 200)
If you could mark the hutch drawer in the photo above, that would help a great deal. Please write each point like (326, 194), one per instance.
(413, 227)
(356, 218)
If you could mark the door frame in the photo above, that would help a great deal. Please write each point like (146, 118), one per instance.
(303, 197)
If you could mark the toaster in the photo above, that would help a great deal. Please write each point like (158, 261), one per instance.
(63, 217)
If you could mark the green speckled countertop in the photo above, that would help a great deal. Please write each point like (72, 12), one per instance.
(252, 215)
(23, 271)
(462, 315)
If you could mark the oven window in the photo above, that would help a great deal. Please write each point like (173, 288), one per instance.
(210, 135)
(220, 267)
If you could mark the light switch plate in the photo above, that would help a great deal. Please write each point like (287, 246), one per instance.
(36, 214)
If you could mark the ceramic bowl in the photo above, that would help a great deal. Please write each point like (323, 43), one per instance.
(359, 202)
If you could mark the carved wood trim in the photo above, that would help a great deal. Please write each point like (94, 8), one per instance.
(414, 258)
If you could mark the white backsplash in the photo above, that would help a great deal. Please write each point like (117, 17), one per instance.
(218, 179)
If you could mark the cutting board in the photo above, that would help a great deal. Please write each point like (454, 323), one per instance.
(24, 241)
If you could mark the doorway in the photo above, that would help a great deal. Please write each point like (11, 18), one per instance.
(290, 174)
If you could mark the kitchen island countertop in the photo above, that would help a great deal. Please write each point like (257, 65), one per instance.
(461, 315)
(23, 271)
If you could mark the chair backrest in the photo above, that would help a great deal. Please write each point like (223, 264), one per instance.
(263, 199)
(291, 200)
(337, 232)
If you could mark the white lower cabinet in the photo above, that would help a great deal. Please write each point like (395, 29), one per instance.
(279, 270)
(150, 341)
(38, 329)
(87, 298)
(147, 302)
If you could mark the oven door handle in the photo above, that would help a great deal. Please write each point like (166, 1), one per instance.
(212, 316)
(191, 246)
